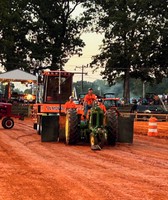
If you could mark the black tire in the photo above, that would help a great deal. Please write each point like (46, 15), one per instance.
(72, 134)
(112, 126)
(7, 123)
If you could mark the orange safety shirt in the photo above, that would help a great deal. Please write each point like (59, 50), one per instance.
(69, 105)
(89, 98)
(102, 106)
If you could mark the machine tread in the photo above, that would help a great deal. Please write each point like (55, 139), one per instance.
(112, 126)
(71, 128)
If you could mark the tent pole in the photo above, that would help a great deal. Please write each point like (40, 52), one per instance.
(9, 91)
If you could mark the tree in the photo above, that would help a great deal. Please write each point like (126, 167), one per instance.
(37, 33)
(99, 87)
(135, 39)
(12, 34)
(56, 31)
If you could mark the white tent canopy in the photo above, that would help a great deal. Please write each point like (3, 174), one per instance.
(17, 75)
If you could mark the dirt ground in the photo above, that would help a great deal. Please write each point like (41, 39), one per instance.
(35, 170)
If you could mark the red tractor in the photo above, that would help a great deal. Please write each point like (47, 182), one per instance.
(6, 115)
(110, 101)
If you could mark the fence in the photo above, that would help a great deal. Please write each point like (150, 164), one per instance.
(25, 109)
(145, 116)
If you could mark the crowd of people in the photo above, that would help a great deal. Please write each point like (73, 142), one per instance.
(90, 99)
(152, 99)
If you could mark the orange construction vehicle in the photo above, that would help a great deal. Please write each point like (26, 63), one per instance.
(54, 89)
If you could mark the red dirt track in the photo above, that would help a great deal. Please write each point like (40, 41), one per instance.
(32, 170)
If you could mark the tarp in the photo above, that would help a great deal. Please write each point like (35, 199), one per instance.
(17, 75)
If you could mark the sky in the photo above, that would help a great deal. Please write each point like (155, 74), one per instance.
(93, 42)
(92, 45)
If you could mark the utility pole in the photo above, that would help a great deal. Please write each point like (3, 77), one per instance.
(143, 89)
(82, 73)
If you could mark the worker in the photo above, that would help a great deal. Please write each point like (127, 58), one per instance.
(89, 99)
(101, 105)
(70, 104)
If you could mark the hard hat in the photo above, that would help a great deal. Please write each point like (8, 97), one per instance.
(71, 97)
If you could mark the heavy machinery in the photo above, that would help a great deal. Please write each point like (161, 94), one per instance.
(54, 90)
(99, 128)
(7, 116)
(110, 101)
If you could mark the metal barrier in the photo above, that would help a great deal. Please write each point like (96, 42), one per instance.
(126, 129)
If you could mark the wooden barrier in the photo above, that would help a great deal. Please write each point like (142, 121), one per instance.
(22, 108)
(145, 116)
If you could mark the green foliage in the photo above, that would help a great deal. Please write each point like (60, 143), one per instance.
(38, 33)
(99, 87)
(12, 50)
(136, 87)
(57, 33)
(135, 42)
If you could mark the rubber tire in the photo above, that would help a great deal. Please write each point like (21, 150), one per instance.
(7, 123)
(72, 134)
(112, 126)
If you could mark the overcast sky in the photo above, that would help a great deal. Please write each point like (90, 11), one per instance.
(93, 42)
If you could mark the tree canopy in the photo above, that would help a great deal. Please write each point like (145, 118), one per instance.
(135, 39)
(37, 33)
(136, 87)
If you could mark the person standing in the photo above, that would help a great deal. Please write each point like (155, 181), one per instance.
(89, 99)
